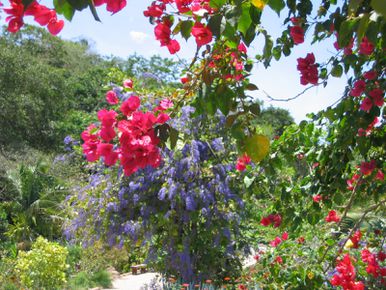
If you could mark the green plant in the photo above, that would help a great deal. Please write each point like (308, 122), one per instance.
(44, 267)
(80, 281)
(101, 278)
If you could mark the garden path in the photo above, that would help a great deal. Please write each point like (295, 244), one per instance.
(134, 282)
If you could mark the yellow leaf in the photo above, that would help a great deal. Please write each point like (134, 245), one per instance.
(257, 147)
(259, 3)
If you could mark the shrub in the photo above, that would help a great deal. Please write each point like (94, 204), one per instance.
(102, 279)
(44, 267)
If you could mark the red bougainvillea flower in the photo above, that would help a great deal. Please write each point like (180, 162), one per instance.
(346, 50)
(358, 89)
(106, 151)
(274, 219)
(130, 105)
(284, 236)
(106, 117)
(183, 5)
(274, 243)
(332, 217)
(256, 257)
(15, 18)
(128, 84)
(173, 46)
(242, 162)
(162, 33)
(201, 33)
(242, 287)
(164, 105)
(366, 104)
(346, 275)
(279, 260)
(111, 98)
(367, 168)
(317, 198)
(297, 34)
(184, 80)
(308, 69)
(373, 268)
(377, 96)
(115, 6)
(366, 47)
(353, 181)
(370, 75)
(356, 238)
(154, 10)
(242, 48)
(380, 175)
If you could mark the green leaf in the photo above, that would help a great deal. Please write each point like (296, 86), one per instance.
(173, 137)
(354, 5)
(217, 3)
(337, 71)
(251, 87)
(257, 147)
(379, 6)
(245, 20)
(346, 31)
(93, 11)
(214, 24)
(362, 27)
(276, 5)
(79, 4)
(64, 8)
(186, 28)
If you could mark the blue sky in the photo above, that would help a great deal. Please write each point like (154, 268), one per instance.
(129, 32)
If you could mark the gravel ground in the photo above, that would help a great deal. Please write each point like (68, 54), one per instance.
(136, 282)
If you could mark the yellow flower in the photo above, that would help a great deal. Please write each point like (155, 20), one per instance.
(310, 275)
(259, 3)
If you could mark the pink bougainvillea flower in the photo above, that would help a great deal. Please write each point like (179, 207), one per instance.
(284, 236)
(356, 238)
(107, 133)
(370, 75)
(317, 198)
(111, 98)
(367, 168)
(358, 89)
(377, 96)
(202, 34)
(366, 104)
(183, 5)
(279, 260)
(173, 46)
(353, 181)
(162, 118)
(162, 33)
(164, 105)
(366, 47)
(274, 243)
(297, 34)
(274, 219)
(128, 84)
(107, 117)
(380, 175)
(115, 6)
(154, 10)
(332, 217)
(308, 69)
(130, 105)
(256, 257)
(242, 48)
(345, 275)
(242, 162)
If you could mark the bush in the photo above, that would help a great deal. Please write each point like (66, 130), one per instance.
(102, 279)
(44, 267)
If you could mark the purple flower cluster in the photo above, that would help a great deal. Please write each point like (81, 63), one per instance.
(186, 212)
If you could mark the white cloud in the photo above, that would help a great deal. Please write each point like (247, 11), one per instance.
(138, 37)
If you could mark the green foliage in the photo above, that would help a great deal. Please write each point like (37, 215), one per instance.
(44, 266)
(35, 209)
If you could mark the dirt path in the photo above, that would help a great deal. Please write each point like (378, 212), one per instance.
(135, 282)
